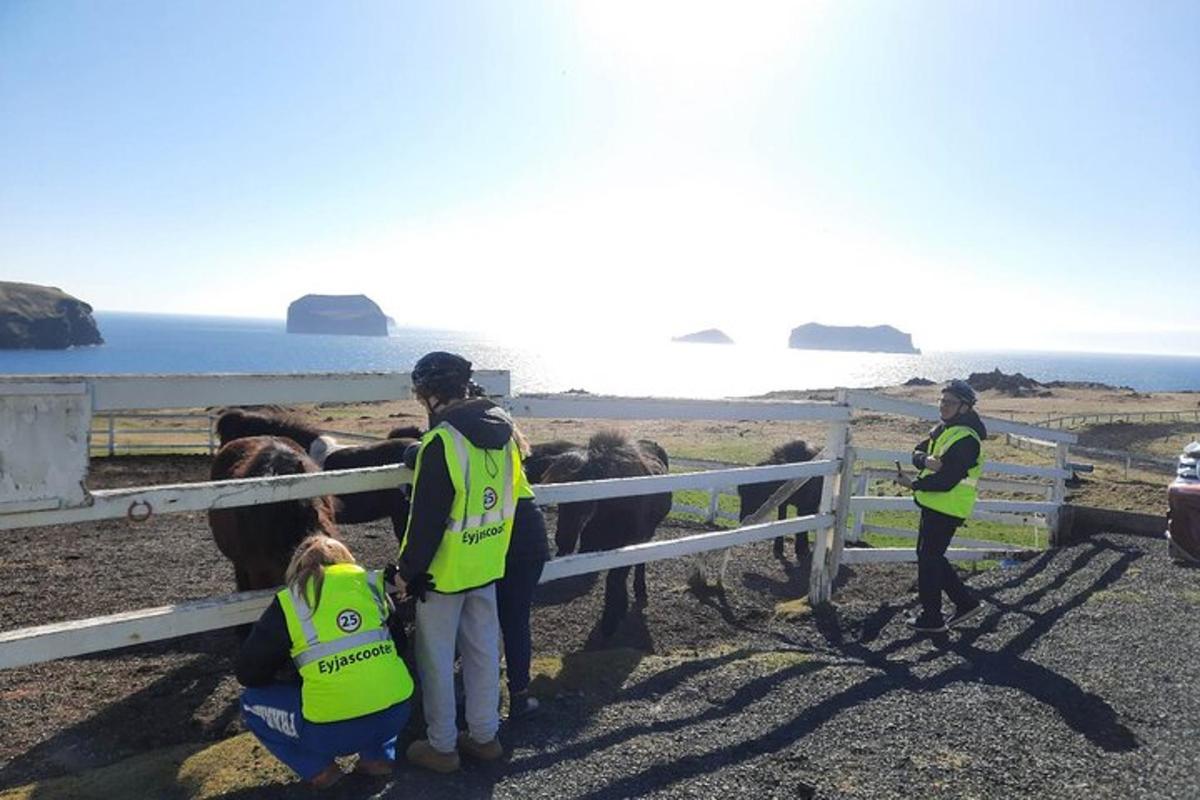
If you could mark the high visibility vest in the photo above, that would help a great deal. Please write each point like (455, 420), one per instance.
(487, 484)
(347, 660)
(960, 499)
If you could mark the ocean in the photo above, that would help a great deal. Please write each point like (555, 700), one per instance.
(152, 343)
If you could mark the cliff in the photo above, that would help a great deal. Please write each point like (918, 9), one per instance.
(345, 314)
(44, 318)
(709, 336)
(877, 339)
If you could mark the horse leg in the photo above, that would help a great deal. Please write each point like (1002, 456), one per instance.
(241, 577)
(777, 542)
(616, 600)
(639, 585)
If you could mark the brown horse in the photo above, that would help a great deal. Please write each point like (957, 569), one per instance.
(259, 539)
(349, 509)
(806, 500)
(612, 523)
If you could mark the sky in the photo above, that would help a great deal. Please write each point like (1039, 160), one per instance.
(984, 175)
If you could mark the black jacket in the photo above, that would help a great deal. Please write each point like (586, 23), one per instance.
(266, 655)
(956, 461)
(485, 425)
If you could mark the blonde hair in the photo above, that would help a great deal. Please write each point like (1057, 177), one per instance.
(309, 561)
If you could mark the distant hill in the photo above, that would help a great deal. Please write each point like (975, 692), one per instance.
(345, 314)
(34, 317)
(709, 336)
(877, 339)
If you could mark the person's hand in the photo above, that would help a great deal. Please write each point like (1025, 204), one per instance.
(903, 480)
(933, 464)
(394, 585)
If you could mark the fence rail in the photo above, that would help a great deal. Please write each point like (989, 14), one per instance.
(842, 501)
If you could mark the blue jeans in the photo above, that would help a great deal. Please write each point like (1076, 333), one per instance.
(514, 600)
(272, 713)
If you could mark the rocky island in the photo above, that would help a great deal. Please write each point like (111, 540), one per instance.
(876, 339)
(709, 336)
(44, 318)
(341, 314)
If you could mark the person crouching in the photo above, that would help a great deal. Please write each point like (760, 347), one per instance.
(348, 689)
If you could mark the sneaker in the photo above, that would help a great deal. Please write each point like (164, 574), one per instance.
(965, 615)
(327, 777)
(375, 767)
(922, 625)
(487, 751)
(521, 705)
(423, 754)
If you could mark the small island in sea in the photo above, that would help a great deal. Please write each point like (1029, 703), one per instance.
(708, 336)
(345, 314)
(34, 317)
(876, 339)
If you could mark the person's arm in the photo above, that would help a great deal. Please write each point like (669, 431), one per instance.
(432, 498)
(955, 463)
(921, 451)
(266, 649)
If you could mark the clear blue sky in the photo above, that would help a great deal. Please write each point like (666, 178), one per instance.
(671, 165)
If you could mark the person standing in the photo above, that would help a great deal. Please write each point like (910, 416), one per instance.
(466, 483)
(949, 463)
(346, 688)
(527, 556)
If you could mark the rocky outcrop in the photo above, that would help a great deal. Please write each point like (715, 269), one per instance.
(1015, 385)
(709, 336)
(344, 314)
(44, 318)
(877, 339)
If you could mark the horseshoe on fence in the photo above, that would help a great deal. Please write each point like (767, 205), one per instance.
(139, 511)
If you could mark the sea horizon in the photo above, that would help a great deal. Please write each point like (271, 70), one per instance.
(158, 343)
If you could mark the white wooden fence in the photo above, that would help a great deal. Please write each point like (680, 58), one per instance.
(33, 645)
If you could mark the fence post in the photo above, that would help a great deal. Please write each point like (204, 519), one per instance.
(112, 435)
(714, 498)
(1058, 493)
(860, 488)
(212, 427)
(820, 584)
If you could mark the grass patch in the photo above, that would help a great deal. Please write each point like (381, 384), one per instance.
(1191, 596)
(791, 610)
(192, 771)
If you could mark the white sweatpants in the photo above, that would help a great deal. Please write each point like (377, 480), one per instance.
(469, 621)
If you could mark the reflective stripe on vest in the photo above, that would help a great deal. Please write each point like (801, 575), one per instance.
(343, 650)
(477, 532)
(959, 500)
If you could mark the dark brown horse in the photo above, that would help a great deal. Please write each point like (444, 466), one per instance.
(611, 523)
(349, 509)
(806, 500)
(259, 539)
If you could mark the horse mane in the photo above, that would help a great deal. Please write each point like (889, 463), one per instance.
(280, 456)
(614, 456)
(565, 467)
(238, 423)
(793, 451)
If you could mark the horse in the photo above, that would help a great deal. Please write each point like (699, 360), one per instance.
(331, 455)
(806, 500)
(541, 455)
(611, 523)
(260, 539)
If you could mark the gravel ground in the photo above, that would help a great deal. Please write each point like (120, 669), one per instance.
(1079, 683)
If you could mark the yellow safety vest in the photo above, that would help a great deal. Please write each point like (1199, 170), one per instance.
(487, 484)
(960, 499)
(347, 660)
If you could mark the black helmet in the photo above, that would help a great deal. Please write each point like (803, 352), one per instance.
(962, 390)
(441, 373)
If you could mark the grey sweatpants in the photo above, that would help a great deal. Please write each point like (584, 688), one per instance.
(467, 620)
